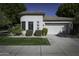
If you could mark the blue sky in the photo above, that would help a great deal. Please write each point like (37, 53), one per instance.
(48, 8)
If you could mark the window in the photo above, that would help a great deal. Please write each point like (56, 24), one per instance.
(37, 21)
(30, 25)
(37, 25)
(23, 25)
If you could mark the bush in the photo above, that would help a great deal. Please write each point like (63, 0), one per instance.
(29, 32)
(44, 31)
(16, 30)
(38, 33)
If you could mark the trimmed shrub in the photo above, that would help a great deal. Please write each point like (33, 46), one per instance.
(38, 33)
(44, 31)
(29, 32)
(16, 30)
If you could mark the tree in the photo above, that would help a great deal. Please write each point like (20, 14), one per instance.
(76, 19)
(70, 10)
(76, 24)
(4, 20)
(67, 10)
(12, 10)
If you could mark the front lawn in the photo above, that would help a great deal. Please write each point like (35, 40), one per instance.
(23, 41)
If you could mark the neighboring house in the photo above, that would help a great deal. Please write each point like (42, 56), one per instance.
(38, 20)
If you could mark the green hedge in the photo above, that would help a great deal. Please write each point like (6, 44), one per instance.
(38, 33)
(16, 30)
(44, 31)
(29, 32)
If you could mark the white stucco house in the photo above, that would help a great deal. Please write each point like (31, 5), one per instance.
(38, 20)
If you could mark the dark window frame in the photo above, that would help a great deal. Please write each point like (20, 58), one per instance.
(37, 25)
(23, 25)
(30, 25)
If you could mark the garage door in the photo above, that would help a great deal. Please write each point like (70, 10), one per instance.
(54, 29)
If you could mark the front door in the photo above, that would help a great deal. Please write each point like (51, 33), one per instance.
(30, 25)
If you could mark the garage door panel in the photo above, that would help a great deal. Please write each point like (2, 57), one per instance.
(54, 29)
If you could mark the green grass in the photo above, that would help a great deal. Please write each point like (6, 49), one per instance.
(23, 41)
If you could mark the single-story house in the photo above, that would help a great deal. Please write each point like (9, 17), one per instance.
(38, 20)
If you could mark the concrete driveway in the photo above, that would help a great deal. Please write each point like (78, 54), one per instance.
(59, 47)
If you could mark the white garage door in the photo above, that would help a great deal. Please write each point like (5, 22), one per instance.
(54, 29)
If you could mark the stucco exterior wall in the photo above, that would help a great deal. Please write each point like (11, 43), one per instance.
(34, 19)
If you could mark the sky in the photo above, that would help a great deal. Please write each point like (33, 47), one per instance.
(48, 8)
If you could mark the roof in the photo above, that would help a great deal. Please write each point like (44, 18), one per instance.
(56, 18)
(31, 13)
(46, 18)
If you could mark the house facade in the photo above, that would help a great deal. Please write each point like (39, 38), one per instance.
(31, 21)
(38, 20)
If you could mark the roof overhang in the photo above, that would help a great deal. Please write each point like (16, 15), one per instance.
(56, 18)
(31, 13)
